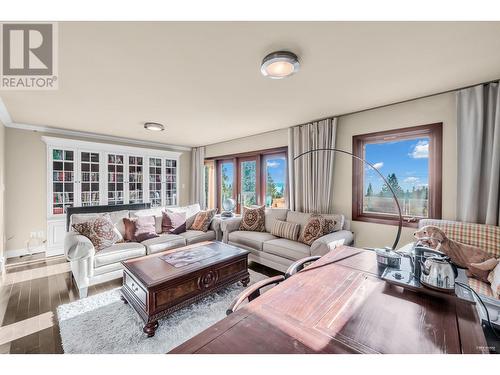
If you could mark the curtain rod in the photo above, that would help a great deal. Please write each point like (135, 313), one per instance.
(368, 109)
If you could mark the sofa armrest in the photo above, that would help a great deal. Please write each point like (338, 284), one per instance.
(77, 246)
(228, 226)
(215, 225)
(324, 244)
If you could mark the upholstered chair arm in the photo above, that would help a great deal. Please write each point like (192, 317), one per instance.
(299, 265)
(253, 292)
(329, 242)
(228, 226)
(77, 246)
(215, 225)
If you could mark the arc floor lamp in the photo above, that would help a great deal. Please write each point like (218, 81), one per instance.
(400, 222)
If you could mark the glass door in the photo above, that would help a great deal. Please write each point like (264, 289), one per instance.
(116, 179)
(135, 179)
(170, 182)
(155, 181)
(248, 186)
(226, 181)
(63, 180)
(89, 178)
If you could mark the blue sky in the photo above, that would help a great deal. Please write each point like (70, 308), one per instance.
(409, 159)
(277, 168)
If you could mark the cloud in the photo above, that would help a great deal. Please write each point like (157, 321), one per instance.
(378, 165)
(421, 150)
(273, 164)
(411, 180)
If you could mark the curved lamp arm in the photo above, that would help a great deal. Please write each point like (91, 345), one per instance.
(400, 223)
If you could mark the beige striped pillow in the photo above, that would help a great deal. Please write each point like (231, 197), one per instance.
(285, 229)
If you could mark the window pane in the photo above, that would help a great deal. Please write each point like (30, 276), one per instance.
(275, 169)
(248, 183)
(227, 178)
(405, 164)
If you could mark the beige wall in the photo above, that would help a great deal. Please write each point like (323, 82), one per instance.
(439, 108)
(418, 112)
(26, 188)
(2, 189)
(263, 141)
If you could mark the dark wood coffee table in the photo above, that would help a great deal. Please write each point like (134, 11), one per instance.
(157, 285)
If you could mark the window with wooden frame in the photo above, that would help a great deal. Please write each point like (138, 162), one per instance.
(410, 159)
(254, 178)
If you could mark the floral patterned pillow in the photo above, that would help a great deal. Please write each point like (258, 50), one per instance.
(202, 220)
(314, 229)
(100, 231)
(253, 219)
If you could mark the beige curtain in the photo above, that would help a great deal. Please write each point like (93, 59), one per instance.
(198, 176)
(311, 176)
(478, 132)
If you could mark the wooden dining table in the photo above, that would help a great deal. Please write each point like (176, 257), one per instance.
(338, 304)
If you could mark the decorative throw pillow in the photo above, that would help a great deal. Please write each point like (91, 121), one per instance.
(145, 228)
(253, 219)
(494, 280)
(202, 220)
(172, 220)
(129, 234)
(285, 229)
(100, 231)
(314, 229)
(329, 226)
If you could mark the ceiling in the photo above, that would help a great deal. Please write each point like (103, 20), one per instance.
(202, 79)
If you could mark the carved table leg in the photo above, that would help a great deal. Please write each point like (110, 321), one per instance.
(123, 299)
(150, 328)
(245, 281)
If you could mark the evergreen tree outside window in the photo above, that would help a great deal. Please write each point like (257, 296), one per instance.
(410, 159)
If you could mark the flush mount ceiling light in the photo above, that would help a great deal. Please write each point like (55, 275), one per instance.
(278, 65)
(154, 126)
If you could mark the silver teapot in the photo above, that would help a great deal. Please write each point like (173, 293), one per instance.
(437, 272)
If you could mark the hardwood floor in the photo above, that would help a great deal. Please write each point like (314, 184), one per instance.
(30, 292)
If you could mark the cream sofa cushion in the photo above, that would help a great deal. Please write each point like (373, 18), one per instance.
(190, 211)
(164, 242)
(288, 249)
(194, 236)
(116, 218)
(118, 253)
(273, 214)
(255, 240)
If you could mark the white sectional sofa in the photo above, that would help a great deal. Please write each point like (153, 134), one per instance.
(280, 253)
(90, 267)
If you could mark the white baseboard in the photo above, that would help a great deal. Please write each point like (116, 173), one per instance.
(22, 252)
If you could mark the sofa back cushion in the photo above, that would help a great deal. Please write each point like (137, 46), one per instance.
(115, 216)
(190, 211)
(285, 229)
(155, 212)
(486, 237)
(100, 230)
(273, 214)
(303, 218)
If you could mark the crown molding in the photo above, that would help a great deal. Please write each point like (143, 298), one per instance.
(88, 135)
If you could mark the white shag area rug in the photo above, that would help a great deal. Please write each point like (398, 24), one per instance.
(103, 324)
